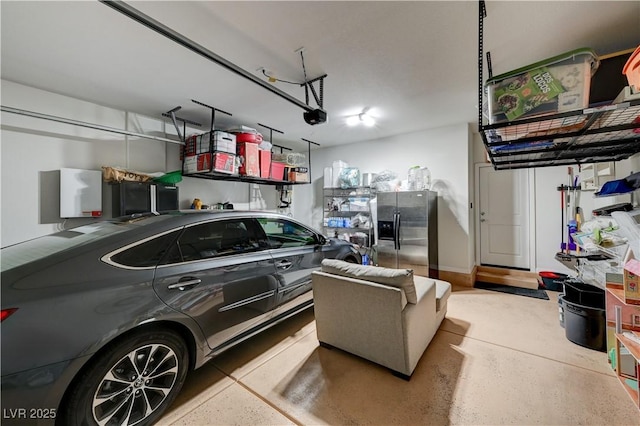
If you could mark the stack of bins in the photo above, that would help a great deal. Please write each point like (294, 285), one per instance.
(584, 314)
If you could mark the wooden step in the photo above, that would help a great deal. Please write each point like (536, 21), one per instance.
(510, 277)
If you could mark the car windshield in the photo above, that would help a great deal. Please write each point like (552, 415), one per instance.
(37, 248)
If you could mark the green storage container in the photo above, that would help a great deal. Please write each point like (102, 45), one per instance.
(557, 84)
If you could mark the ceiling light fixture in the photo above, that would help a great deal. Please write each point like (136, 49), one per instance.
(367, 120)
(363, 118)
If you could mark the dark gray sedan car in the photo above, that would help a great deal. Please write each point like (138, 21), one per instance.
(101, 323)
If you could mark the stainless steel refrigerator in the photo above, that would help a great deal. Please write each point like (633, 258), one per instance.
(408, 231)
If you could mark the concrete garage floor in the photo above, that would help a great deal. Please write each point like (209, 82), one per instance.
(496, 359)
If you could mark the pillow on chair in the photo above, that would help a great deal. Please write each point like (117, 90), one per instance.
(401, 278)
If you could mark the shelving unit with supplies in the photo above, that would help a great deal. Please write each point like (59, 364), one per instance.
(594, 138)
(213, 164)
(347, 214)
(622, 318)
(595, 174)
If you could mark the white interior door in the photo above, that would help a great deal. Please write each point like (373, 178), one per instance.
(504, 217)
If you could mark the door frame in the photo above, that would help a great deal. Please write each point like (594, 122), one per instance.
(532, 215)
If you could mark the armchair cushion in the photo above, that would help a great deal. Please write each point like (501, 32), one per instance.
(400, 278)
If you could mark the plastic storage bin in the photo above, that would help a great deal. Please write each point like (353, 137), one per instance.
(585, 326)
(553, 280)
(583, 293)
(419, 178)
(557, 84)
(584, 315)
(170, 178)
(277, 170)
(632, 71)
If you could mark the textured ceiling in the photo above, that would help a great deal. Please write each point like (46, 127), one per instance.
(414, 64)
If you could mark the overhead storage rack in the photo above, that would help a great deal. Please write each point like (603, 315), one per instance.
(590, 135)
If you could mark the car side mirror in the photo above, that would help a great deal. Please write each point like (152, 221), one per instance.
(322, 240)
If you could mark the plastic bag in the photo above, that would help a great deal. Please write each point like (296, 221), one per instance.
(291, 158)
(387, 186)
(265, 145)
(349, 178)
(360, 221)
(385, 181)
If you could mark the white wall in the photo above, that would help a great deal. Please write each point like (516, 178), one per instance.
(33, 150)
(445, 151)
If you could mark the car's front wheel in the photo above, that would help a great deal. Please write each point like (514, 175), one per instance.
(131, 383)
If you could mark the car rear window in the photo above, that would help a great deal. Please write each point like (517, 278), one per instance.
(28, 251)
(149, 253)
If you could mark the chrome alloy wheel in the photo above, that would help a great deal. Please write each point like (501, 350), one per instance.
(135, 386)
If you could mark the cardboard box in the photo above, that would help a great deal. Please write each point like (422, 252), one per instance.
(225, 142)
(197, 163)
(631, 282)
(224, 162)
(298, 177)
(265, 163)
(189, 147)
(202, 163)
(222, 141)
(200, 144)
(249, 159)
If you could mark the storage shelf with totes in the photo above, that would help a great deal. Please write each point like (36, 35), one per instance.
(347, 213)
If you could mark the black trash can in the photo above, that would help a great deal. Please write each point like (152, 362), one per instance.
(584, 315)
(561, 310)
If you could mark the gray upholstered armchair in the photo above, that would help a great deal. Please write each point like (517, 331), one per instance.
(385, 315)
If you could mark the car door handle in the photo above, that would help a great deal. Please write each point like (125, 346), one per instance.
(181, 285)
(284, 264)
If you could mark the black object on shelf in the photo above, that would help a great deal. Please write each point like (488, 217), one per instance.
(241, 178)
(592, 135)
(138, 197)
(607, 210)
(633, 180)
(569, 188)
(570, 260)
(607, 83)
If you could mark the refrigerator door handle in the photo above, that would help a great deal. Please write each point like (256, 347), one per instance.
(396, 228)
(395, 240)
